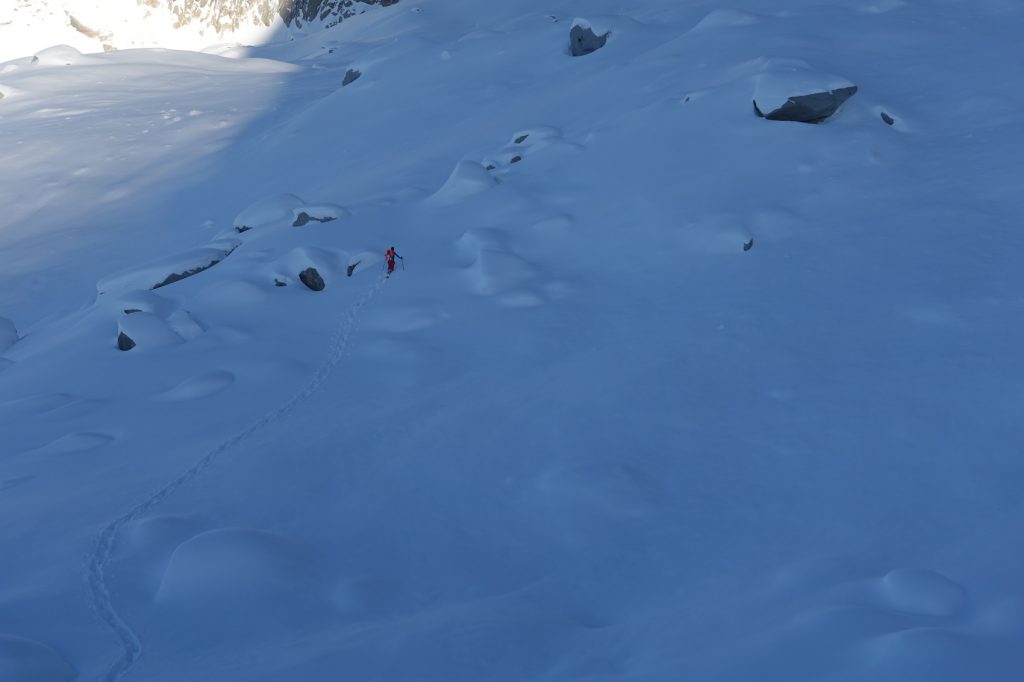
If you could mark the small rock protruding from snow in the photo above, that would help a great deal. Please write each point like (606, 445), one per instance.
(124, 342)
(312, 279)
(351, 76)
(8, 334)
(583, 40)
(147, 331)
(285, 209)
(889, 120)
(749, 244)
(58, 55)
(792, 91)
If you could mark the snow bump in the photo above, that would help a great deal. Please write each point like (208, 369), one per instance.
(200, 386)
(923, 592)
(467, 179)
(8, 334)
(27, 660)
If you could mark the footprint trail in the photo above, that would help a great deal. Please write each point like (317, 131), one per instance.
(99, 590)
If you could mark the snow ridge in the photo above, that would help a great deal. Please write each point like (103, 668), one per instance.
(99, 590)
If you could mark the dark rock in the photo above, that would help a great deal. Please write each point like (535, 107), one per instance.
(129, 311)
(350, 76)
(490, 166)
(813, 108)
(749, 244)
(583, 41)
(304, 218)
(521, 138)
(178, 276)
(124, 342)
(242, 228)
(312, 279)
(889, 120)
(279, 283)
(352, 267)
(515, 159)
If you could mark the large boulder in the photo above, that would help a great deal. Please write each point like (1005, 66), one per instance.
(791, 90)
(312, 279)
(583, 40)
(812, 108)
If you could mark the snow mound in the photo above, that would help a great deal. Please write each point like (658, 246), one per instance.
(76, 442)
(62, 55)
(929, 653)
(284, 210)
(329, 263)
(200, 386)
(230, 565)
(495, 271)
(725, 18)
(169, 270)
(8, 334)
(26, 660)
(468, 178)
(148, 331)
(713, 233)
(923, 592)
(37, 404)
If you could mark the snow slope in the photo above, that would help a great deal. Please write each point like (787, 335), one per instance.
(581, 434)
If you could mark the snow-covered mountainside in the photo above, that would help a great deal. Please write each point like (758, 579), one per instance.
(27, 26)
(701, 362)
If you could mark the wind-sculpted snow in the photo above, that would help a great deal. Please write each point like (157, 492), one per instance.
(659, 390)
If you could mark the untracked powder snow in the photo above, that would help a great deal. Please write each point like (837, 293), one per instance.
(660, 389)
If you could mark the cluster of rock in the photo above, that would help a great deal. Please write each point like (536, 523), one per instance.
(227, 15)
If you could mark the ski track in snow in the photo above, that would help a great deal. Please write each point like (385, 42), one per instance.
(99, 591)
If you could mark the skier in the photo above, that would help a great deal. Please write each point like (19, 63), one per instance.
(390, 255)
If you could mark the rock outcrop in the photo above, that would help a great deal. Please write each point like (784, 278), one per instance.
(811, 108)
(227, 15)
(351, 76)
(583, 40)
